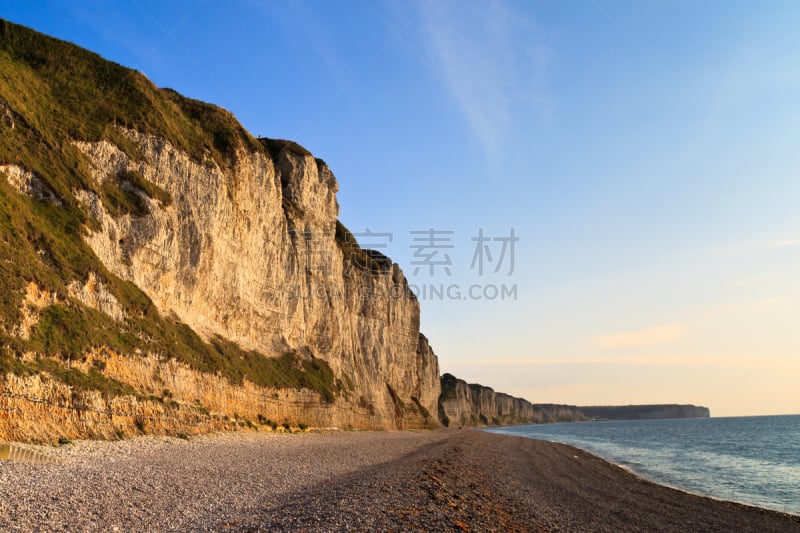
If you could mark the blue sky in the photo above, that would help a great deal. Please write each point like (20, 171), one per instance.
(645, 154)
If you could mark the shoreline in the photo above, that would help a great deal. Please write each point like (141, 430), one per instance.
(679, 488)
(442, 480)
(645, 477)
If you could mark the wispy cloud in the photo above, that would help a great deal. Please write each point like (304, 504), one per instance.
(662, 334)
(675, 360)
(785, 244)
(493, 61)
(764, 245)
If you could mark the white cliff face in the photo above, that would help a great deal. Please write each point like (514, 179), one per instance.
(94, 294)
(249, 253)
(464, 404)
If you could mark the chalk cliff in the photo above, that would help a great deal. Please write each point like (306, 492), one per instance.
(165, 271)
(250, 254)
(463, 404)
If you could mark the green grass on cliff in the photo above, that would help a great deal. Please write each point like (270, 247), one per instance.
(52, 93)
(275, 146)
(120, 194)
(66, 92)
(364, 260)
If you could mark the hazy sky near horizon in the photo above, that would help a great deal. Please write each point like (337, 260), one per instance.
(645, 154)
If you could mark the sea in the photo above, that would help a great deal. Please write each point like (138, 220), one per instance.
(753, 460)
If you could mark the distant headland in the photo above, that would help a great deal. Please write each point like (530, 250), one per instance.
(638, 412)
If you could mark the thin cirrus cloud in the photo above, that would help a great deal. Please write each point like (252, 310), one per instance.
(663, 334)
(755, 247)
(669, 361)
(786, 243)
(493, 63)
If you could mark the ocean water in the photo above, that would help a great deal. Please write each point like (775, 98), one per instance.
(753, 460)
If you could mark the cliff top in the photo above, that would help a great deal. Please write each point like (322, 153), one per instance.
(67, 92)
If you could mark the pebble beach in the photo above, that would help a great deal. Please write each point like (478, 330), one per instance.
(444, 480)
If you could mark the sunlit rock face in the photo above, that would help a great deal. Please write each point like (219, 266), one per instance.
(250, 254)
